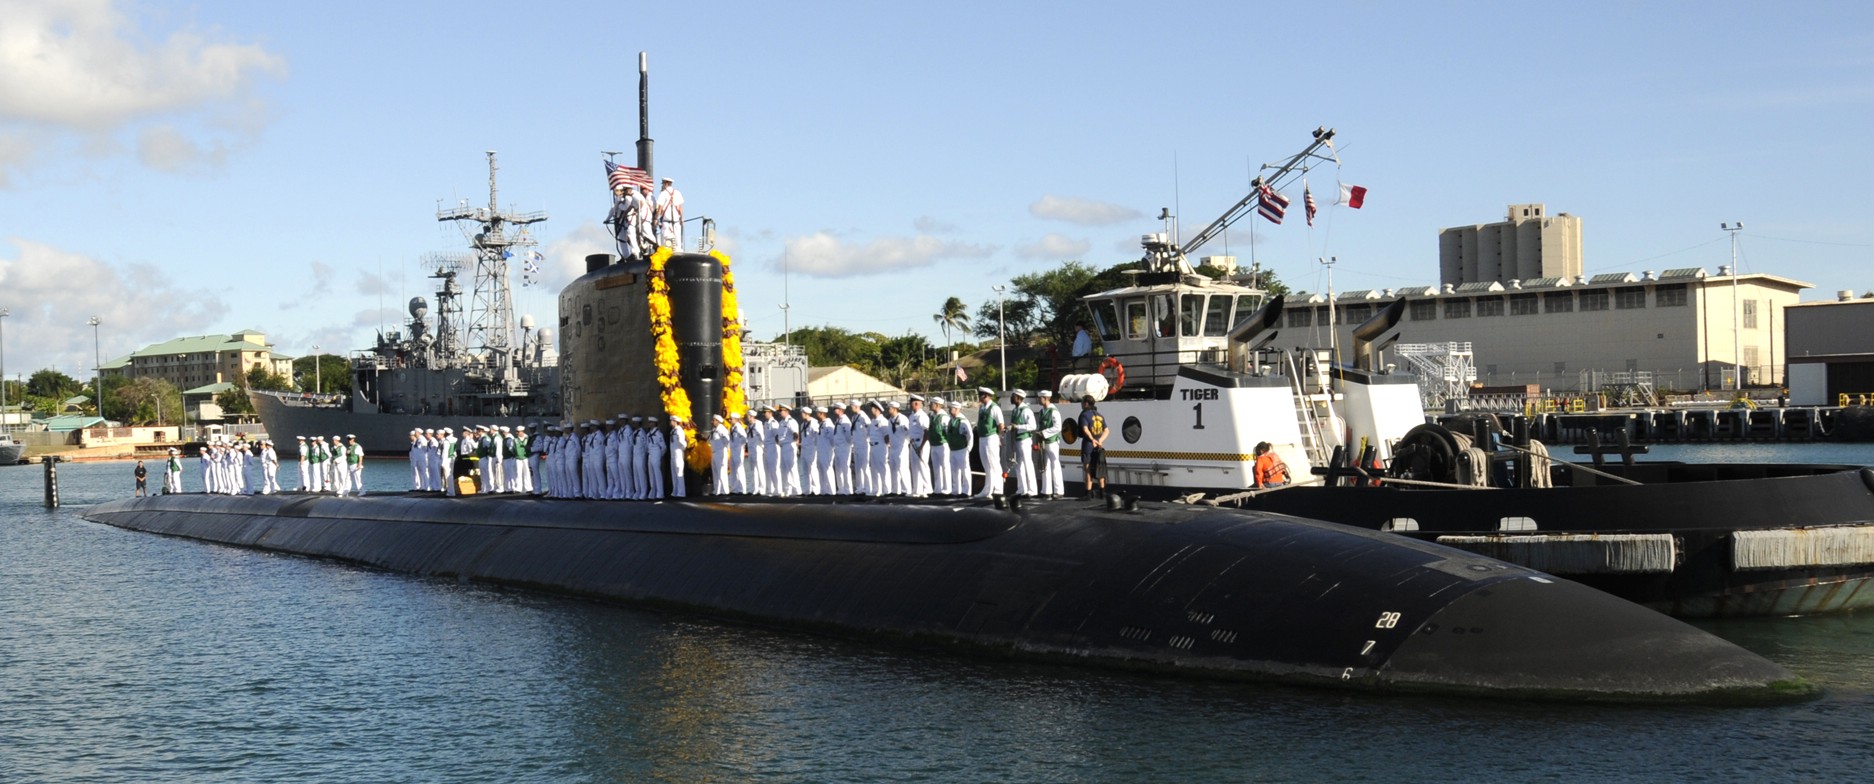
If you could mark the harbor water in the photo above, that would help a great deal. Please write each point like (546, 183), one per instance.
(131, 657)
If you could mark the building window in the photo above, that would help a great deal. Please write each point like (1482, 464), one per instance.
(1671, 295)
(1423, 310)
(1630, 297)
(1320, 317)
(1357, 314)
(1489, 306)
(1559, 302)
(1594, 300)
(1750, 314)
(1458, 308)
(1299, 317)
(1522, 304)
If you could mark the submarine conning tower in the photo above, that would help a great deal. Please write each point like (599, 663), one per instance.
(608, 352)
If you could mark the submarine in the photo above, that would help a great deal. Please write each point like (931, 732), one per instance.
(1183, 588)
(1178, 588)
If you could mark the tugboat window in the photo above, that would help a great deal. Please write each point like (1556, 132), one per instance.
(1217, 317)
(1190, 307)
(1246, 305)
(1161, 311)
(1135, 319)
(1131, 429)
(1106, 319)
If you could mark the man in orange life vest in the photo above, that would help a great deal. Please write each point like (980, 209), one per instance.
(1270, 470)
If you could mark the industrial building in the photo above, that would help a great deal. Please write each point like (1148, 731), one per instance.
(1831, 356)
(201, 360)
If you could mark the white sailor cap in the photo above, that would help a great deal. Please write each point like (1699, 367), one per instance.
(611, 421)
(766, 408)
(891, 404)
(448, 430)
(172, 450)
(637, 419)
(302, 438)
(350, 437)
(823, 410)
(936, 401)
(916, 398)
(520, 428)
(957, 404)
(715, 418)
(782, 406)
(506, 429)
(1044, 393)
(1015, 393)
(416, 432)
(675, 418)
(985, 391)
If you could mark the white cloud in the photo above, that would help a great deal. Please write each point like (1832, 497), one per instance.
(566, 256)
(1054, 246)
(52, 293)
(85, 71)
(823, 255)
(1084, 212)
(926, 224)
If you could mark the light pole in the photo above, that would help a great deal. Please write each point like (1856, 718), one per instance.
(1002, 341)
(5, 420)
(97, 356)
(318, 382)
(1737, 307)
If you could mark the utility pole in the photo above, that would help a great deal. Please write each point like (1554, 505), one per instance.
(1737, 308)
(318, 381)
(1002, 340)
(97, 356)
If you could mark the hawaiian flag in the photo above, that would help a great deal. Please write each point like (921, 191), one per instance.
(1352, 195)
(622, 176)
(1272, 205)
(1307, 201)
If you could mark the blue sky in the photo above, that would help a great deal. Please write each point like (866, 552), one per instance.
(204, 167)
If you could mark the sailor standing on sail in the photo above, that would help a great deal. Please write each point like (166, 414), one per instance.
(1048, 438)
(989, 427)
(670, 216)
(624, 220)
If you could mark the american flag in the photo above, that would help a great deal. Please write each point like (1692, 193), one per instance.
(621, 176)
(1273, 205)
(1307, 202)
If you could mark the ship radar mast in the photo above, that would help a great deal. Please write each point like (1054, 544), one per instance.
(1164, 254)
(491, 310)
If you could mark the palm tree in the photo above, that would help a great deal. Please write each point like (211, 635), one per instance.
(955, 315)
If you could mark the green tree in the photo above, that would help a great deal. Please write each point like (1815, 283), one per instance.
(145, 401)
(52, 384)
(829, 346)
(334, 374)
(953, 315)
(903, 358)
(258, 377)
(1015, 319)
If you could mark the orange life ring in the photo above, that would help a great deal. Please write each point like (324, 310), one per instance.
(1119, 373)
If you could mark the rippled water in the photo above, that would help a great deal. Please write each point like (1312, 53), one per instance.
(132, 657)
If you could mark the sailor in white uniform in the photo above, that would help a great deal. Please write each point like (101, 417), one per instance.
(172, 472)
(989, 427)
(719, 447)
(737, 480)
(679, 443)
(917, 480)
(670, 216)
(761, 459)
(898, 450)
(651, 459)
(1021, 427)
(1048, 435)
(841, 465)
(784, 438)
(269, 468)
(938, 449)
(305, 463)
(809, 452)
(957, 437)
(861, 447)
(417, 467)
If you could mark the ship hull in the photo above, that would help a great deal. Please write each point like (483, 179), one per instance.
(381, 434)
(1221, 593)
(11, 452)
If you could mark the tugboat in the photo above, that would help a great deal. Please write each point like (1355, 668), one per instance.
(1178, 588)
(1192, 380)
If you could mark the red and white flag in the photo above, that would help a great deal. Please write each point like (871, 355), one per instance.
(1352, 195)
(621, 176)
(1307, 201)
(1272, 205)
(961, 376)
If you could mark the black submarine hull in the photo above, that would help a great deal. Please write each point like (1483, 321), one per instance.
(1217, 592)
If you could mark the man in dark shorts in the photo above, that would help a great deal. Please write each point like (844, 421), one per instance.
(1092, 446)
(142, 475)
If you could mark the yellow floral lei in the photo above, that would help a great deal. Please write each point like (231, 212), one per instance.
(669, 367)
(734, 402)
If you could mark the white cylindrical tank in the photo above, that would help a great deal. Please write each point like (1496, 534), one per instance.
(1079, 385)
